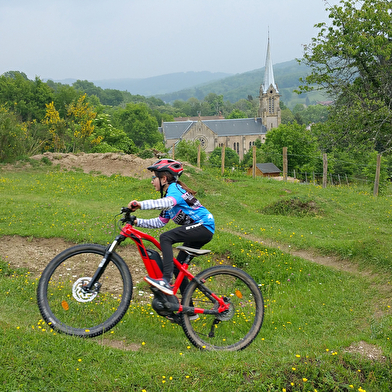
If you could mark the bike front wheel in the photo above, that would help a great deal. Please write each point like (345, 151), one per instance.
(233, 329)
(68, 308)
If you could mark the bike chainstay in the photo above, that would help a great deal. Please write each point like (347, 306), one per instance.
(223, 303)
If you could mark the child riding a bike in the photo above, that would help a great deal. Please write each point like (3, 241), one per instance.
(177, 202)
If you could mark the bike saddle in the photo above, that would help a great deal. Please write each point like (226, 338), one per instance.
(192, 251)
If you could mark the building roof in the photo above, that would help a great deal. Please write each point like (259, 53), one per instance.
(226, 127)
(268, 168)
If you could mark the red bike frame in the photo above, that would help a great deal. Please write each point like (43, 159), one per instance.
(155, 272)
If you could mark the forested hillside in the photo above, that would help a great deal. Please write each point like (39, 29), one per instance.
(241, 86)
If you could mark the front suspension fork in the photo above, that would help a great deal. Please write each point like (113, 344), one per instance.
(92, 284)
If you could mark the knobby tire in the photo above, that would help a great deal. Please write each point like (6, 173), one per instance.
(236, 328)
(80, 314)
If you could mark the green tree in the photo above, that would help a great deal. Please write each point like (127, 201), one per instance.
(215, 103)
(139, 124)
(187, 150)
(112, 139)
(231, 157)
(237, 114)
(351, 61)
(302, 147)
(24, 97)
(11, 136)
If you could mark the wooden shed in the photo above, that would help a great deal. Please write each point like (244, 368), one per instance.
(265, 170)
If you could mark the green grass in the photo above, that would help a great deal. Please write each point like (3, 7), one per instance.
(313, 313)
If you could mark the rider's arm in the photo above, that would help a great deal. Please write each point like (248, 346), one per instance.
(154, 223)
(159, 204)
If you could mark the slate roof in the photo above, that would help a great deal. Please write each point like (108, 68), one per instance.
(226, 127)
(268, 168)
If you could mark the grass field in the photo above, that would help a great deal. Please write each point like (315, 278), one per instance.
(316, 317)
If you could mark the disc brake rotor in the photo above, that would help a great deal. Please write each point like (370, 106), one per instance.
(80, 294)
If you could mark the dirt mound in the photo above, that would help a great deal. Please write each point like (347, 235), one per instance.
(106, 164)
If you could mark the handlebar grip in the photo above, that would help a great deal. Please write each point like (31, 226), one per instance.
(134, 204)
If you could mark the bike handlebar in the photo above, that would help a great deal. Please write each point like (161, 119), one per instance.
(128, 218)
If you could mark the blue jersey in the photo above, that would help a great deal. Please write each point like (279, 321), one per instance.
(180, 206)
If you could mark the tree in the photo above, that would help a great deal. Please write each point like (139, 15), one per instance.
(138, 124)
(351, 61)
(187, 150)
(113, 139)
(24, 97)
(11, 135)
(80, 121)
(231, 157)
(215, 103)
(236, 113)
(302, 147)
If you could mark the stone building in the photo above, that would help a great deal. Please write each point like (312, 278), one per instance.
(238, 134)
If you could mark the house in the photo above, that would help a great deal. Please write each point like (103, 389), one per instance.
(265, 170)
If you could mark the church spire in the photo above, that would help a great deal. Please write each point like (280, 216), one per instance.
(269, 72)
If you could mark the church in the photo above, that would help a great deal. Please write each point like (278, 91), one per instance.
(238, 134)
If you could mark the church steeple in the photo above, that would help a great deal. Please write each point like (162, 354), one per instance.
(269, 71)
(269, 109)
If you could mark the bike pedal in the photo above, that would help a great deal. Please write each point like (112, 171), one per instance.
(175, 319)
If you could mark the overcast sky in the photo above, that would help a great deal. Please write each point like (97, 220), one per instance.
(109, 39)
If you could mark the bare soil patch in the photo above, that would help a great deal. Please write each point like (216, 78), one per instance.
(367, 350)
(105, 164)
(34, 254)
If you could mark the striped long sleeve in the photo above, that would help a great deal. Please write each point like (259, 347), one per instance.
(154, 223)
(159, 204)
(165, 203)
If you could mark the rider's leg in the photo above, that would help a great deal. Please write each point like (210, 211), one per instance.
(191, 235)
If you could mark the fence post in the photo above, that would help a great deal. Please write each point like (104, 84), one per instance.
(284, 163)
(198, 155)
(254, 162)
(377, 179)
(223, 160)
(325, 170)
(173, 150)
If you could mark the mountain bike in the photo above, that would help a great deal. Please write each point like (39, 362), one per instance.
(86, 290)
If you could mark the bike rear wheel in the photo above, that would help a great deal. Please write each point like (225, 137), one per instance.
(233, 329)
(67, 308)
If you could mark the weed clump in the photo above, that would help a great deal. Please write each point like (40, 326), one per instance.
(296, 206)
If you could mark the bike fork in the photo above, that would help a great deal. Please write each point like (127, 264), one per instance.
(90, 286)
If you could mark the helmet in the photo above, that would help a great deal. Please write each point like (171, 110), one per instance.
(169, 165)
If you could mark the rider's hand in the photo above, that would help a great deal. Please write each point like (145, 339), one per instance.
(134, 205)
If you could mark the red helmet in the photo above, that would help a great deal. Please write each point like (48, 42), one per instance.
(169, 165)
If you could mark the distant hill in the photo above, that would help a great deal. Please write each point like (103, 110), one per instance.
(185, 85)
(162, 84)
(239, 86)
